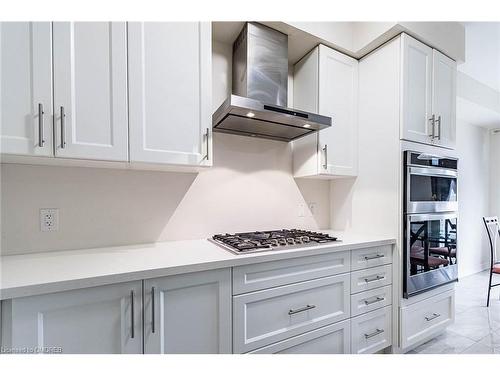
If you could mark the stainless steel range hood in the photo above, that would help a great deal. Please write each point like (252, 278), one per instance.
(258, 106)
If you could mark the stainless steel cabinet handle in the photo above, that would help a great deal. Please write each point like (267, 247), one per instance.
(378, 299)
(207, 138)
(376, 278)
(153, 291)
(434, 316)
(132, 313)
(63, 128)
(302, 309)
(376, 256)
(438, 121)
(433, 122)
(325, 150)
(373, 334)
(41, 139)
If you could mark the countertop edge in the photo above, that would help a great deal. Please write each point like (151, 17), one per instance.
(236, 260)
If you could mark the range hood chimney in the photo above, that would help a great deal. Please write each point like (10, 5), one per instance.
(258, 106)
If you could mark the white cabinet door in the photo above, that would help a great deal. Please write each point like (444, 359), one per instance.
(326, 82)
(26, 88)
(416, 124)
(101, 320)
(338, 95)
(170, 92)
(90, 90)
(189, 313)
(444, 97)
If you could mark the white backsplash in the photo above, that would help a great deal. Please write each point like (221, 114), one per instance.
(250, 187)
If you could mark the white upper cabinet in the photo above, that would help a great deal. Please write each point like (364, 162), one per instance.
(417, 91)
(326, 82)
(444, 99)
(105, 319)
(188, 314)
(90, 90)
(26, 88)
(170, 92)
(428, 109)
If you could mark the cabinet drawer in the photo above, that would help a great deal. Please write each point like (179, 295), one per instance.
(265, 317)
(371, 332)
(371, 257)
(332, 339)
(370, 300)
(423, 319)
(271, 274)
(371, 278)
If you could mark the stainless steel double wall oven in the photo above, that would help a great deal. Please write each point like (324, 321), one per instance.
(430, 222)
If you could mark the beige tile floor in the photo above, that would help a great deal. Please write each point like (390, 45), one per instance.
(477, 328)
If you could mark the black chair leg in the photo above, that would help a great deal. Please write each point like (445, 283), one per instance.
(489, 289)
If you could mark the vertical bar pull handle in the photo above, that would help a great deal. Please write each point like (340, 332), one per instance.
(433, 125)
(325, 150)
(132, 313)
(153, 291)
(438, 121)
(63, 128)
(41, 139)
(207, 138)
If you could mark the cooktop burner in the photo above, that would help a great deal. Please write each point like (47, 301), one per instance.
(251, 242)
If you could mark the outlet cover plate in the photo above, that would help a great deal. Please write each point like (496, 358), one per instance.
(49, 219)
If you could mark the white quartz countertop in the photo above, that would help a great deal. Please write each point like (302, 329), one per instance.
(48, 272)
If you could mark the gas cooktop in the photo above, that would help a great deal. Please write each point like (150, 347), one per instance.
(252, 242)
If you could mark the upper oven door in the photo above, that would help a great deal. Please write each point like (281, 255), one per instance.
(431, 190)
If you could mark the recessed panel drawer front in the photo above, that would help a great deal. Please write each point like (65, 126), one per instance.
(265, 317)
(332, 339)
(271, 274)
(370, 300)
(371, 278)
(371, 332)
(424, 318)
(371, 257)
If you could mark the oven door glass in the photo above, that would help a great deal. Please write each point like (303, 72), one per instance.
(431, 192)
(430, 252)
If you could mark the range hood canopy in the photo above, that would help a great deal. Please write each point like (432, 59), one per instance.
(258, 106)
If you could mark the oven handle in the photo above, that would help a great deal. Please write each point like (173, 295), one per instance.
(434, 172)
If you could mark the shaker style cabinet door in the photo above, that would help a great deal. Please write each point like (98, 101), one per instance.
(169, 92)
(338, 95)
(100, 320)
(326, 82)
(26, 88)
(416, 108)
(189, 313)
(444, 99)
(90, 90)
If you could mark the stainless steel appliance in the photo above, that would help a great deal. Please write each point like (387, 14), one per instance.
(431, 183)
(258, 106)
(430, 222)
(252, 242)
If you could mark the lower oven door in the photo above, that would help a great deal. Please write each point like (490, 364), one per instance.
(430, 253)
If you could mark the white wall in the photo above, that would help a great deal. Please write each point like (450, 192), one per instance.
(495, 173)
(473, 194)
(250, 187)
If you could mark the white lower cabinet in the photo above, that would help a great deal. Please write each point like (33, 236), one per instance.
(332, 339)
(264, 317)
(188, 313)
(422, 320)
(371, 332)
(105, 319)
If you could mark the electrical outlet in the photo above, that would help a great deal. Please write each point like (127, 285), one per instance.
(49, 219)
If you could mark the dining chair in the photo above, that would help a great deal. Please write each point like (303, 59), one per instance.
(493, 229)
